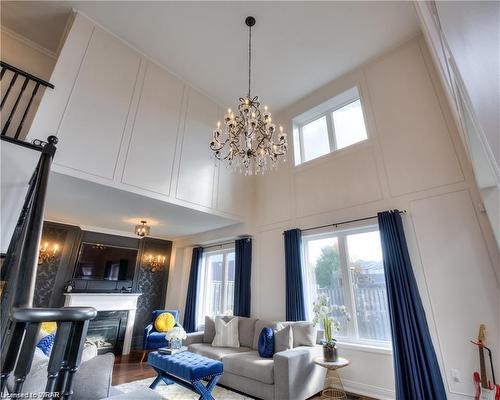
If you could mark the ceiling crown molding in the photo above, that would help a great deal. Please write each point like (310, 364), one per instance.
(28, 42)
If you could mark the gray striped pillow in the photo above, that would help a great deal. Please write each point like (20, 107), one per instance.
(226, 333)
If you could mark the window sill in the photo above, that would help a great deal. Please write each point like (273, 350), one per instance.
(368, 348)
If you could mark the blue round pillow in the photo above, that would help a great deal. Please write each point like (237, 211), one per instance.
(266, 343)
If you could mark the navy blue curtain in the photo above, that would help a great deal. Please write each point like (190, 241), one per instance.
(191, 299)
(416, 368)
(295, 309)
(242, 276)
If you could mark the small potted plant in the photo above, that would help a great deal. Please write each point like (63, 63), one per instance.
(328, 315)
(175, 336)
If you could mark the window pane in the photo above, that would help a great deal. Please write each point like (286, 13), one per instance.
(214, 289)
(315, 139)
(325, 275)
(368, 281)
(349, 125)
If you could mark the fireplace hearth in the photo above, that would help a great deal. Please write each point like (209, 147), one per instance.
(107, 331)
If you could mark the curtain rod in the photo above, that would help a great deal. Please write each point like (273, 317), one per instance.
(345, 222)
(222, 244)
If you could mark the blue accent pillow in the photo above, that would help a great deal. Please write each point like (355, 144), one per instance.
(46, 343)
(266, 343)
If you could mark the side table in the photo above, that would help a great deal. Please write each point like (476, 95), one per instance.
(333, 384)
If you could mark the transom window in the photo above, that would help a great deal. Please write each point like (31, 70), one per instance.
(216, 284)
(347, 266)
(333, 125)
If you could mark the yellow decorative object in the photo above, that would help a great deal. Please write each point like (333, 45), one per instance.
(48, 327)
(164, 322)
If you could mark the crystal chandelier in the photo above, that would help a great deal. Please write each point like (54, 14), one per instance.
(248, 138)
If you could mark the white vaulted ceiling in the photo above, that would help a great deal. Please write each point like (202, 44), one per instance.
(298, 46)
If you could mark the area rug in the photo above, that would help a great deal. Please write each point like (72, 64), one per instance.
(177, 392)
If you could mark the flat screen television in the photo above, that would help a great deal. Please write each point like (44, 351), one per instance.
(103, 262)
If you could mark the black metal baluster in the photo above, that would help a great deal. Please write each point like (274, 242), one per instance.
(27, 351)
(57, 356)
(78, 336)
(10, 349)
(33, 94)
(12, 81)
(13, 111)
(2, 73)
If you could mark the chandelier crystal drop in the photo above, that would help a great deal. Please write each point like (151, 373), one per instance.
(248, 138)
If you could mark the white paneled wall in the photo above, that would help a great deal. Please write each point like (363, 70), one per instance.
(97, 110)
(155, 132)
(124, 121)
(196, 172)
(413, 160)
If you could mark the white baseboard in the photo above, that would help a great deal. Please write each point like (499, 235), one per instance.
(376, 392)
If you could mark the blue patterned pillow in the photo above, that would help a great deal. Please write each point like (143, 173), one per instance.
(46, 343)
(266, 343)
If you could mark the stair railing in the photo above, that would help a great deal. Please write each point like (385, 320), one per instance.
(20, 321)
(30, 82)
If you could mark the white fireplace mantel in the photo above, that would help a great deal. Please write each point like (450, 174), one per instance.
(108, 302)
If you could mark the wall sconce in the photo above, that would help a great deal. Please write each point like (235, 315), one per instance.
(142, 229)
(47, 253)
(155, 263)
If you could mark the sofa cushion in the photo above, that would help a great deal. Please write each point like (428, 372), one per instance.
(164, 322)
(266, 343)
(157, 339)
(250, 365)
(283, 339)
(304, 334)
(259, 325)
(226, 333)
(93, 380)
(209, 330)
(217, 353)
(246, 328)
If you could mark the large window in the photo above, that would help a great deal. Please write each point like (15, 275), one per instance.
(333, 125)
(216, 284)
(347, 266)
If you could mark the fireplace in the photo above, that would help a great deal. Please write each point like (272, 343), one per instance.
(107, 304)
(107, 331)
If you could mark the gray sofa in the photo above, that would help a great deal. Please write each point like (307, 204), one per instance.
(92, 380)
(288, 375)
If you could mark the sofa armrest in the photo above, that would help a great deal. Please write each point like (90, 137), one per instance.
(295, 374)
(193, 337)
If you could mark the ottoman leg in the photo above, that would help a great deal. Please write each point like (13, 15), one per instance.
(155, 382)
(205, 391)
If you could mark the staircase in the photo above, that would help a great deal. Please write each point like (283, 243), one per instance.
(20, 322)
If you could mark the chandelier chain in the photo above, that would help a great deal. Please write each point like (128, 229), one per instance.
(249, 59)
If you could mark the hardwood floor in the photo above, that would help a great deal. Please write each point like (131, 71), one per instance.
(129, 368)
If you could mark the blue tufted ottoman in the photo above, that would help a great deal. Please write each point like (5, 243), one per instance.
(188, 370)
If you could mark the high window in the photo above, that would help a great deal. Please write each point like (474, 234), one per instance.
(216, 284)
(347, 266)
(333, 125)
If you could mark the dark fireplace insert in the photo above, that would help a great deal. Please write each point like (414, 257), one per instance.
(107, 331)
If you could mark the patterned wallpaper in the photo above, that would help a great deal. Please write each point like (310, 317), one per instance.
(46, 273)
(152, 285)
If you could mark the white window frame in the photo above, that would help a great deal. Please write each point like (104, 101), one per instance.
(326, 110)
(352, 339)
(203, 279)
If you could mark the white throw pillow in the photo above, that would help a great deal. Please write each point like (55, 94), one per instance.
(226, 333)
